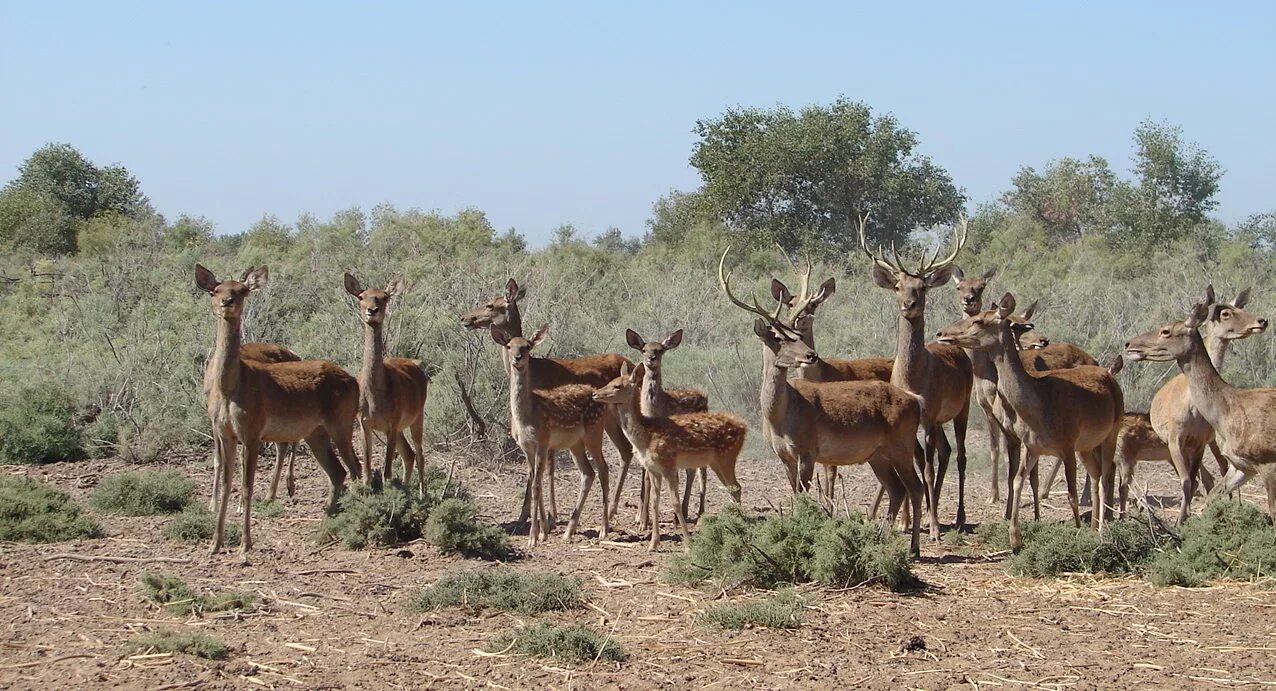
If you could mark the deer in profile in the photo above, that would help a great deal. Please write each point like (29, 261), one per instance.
(1174, 415)
(392, 390)
(939, 373)
(253, 402)
(834, 423)
(655, 401)
(545, 419)
(1058, 412)
(1243, 419)
(666, 444)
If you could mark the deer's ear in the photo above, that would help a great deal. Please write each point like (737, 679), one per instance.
(1209, 294)
(634, 340)
(762, 330)
(539, 335)
(1241, 298)
(957, 274)
(205, 279)
(513, 292)
(883, 277)
(624, 370)
(1006, 306)
(989, 274)
(352, 285)
(257, 278)
(394, 288)
(673, 340)
(500, 336)
(639, 372)
(939, 276)
(780, 292)
(1199, 312)
(1029, 311)
(827, 288)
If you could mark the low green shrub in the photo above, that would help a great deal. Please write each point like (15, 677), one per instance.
(453, 527)
(804, 545)
(566, 642)
(269, 508)
(33, 511)
(144, 492)
(170, 641)
(196, 524)
(1231, 539)
(502, 589)
(178, 598)
(37, 425)
(1057, 548)
(783, 610)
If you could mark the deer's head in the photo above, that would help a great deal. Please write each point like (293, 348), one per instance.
(1172, 341)
(518, 350)
(982, 330)
(1230, 321)
(653, 351)
(621, 388)
(494, 311)
(784, 342)
(373, 302)
(911, 284)
(229, 295)
(970, 291)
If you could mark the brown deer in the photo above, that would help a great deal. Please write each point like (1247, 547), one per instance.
(1174, 415)
(666, 444)
(1242, 419)
(503, 312)
(542, 420)
(250, 402)
(392, 390)
(655, 401)
(1059, 412)
(834, 423)
(939, 373)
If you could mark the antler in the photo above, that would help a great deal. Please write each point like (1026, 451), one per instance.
(880, 261)
(804, 288)
(724, 280)
(925, 266)
(960, 232)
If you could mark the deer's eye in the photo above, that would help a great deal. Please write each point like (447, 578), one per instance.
(1165, 333)
(1225, 314)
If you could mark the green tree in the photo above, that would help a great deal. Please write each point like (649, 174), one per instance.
(803, 179)
(1174, 191)
(1070, 198)
(613, 241)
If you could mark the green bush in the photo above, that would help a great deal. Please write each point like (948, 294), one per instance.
(453, 527)
(807, 544)
(32, 511)
(144, 492)
(1231, 539)
(367, 516)
(37, 425)
(783, 610)
(270, 508)
(178, 598)
(502, 589)
(566, 642)
(196, 524)
(169, 641)
(1058, 548)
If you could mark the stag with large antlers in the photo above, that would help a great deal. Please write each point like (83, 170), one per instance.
(655, 401)
(250, 402)
(833, 423)
(1242, 419)
(1060, 412)
(939, 373)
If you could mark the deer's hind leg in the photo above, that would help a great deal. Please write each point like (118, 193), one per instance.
(321, 445)
(586, 472)
(228, 445)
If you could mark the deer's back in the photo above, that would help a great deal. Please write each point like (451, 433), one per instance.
(693, 433)
(679, 401)
(266, 352)
(287, 401)
(1248, 431)
(567, 407)
(1083, 407)
(590, 370)
(862, 369)
(1055, 356)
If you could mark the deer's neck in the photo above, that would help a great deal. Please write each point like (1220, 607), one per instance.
(1216, 346)
(1013, 381)
(982, 364)
(912, 361)
(520, 398)
(775, 390)
(1210, 394)
(225, 367)
(372, 373)
(652, 401)
(513, 320)
(632, 420)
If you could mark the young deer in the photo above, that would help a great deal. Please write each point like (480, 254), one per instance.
(542, 420)
(939, 373)
(251, 402)
(1242, 419)
(503, 312)
(1174, 415)
(1060, 412)
(392, 391)
(666, 444)
(834, 423)
(657, 402)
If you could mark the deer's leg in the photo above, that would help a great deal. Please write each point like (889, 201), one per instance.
(943, 452)
(790, 470)
(1220, 459)
(1034, 481)
(251, 450)
(933, 480)
(726, 475)
(611, 425)
(1069, 460)
(672, 478)
(1025, 467)
(1124, 459)
(830, 481)
(704, 488)
(1050, 477)
(686, 491)
(219, 455)
(366, 426)
(280, 450)
(586, 472)
(321, 446)
(418, 442)
(1094, 470)
(959, 436)
(290, 484)
(994, 453)
(644, 499)
(806, 471)
(907, 474)
(1270, 482)
(409, 457)
(1013, 459)
(595, 445)
(391, 449)
(1180, 456)
(654, 491)
(227, 443)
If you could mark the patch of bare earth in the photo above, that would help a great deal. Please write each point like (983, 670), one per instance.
(332, 618)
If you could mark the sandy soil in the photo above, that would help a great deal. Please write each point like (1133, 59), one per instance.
(331, 618)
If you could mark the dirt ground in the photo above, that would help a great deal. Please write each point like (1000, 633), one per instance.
(332, 618)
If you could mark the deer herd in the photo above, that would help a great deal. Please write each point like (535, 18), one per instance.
(1040, 398)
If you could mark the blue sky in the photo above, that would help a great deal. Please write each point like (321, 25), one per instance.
(550, 113)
